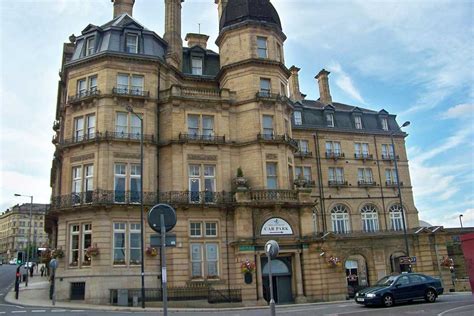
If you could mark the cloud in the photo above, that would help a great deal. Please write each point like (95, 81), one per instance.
(460, 111)
(452, 220)
(344, 82)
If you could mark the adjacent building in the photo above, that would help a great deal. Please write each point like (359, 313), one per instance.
(233, 145)
(15, 229)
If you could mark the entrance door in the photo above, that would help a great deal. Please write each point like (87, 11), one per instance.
(281, 278)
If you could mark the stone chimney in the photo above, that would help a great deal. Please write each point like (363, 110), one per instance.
(294, 82)
(123, 6)
(221, 4)
(173, 32)
(323, 82)
(194, 39)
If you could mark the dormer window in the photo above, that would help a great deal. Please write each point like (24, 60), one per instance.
(298, 118)
(196, 66)
(330, 120)
(90, 46)
(262, 47)
(131, 45)
(384, 122)
(358, 122)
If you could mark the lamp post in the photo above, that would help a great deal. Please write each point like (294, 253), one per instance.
(29, 236)
(400, 193)
(130, 109)
(460, 219)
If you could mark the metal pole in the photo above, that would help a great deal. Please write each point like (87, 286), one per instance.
(401, 202)
(142, 227)
(163, 265)
(460, 220)
(28, 244)
(272, 301)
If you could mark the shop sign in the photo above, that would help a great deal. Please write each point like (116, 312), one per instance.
(276, 226)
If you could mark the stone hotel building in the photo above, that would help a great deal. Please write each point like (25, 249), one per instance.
(233, 145)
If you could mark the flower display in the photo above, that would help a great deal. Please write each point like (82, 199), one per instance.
(247, 266)
(333, 261)
(151, 251)
(447, 262)
(92, 251)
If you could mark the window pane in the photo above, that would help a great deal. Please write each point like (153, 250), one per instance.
(196, 66)
(265, 85)
(122, 83)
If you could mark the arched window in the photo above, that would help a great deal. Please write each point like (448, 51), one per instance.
(370, 218)
(340, 219)
(396, 222)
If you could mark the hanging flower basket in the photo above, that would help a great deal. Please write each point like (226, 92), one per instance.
(92, 251)
(333, 262)
(247, 266)
(447, 262)
(151, 251)
(57, 253)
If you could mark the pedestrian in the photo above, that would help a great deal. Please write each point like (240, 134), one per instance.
(31, 271)
(42, 270)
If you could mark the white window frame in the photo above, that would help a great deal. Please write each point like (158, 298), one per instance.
(81, 87)
(390, 177)
(134, 229)
(86, 230)
(336, 175)
(196, 66)
(201, 130)
(195, 229)
(272, 176)
(79, 128)
(267, 126)
(262, 47)
(197, 260)
(90, 46)
(330, 119)
(74, 233)
(266, 87)
(211, 229)
(384, 122)
(365, 176)
(340, 219)
(298, 117)
(358, 121)
(119, 228)
(305, 170)
(387, 151)
(396, 218)
(303, 146)
(370, 218)
(131, 48)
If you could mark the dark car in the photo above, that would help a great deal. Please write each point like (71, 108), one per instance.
(400, 288)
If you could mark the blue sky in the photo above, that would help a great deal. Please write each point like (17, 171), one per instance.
(410, 57)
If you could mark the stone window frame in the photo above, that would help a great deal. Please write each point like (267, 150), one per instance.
(374, 217)
(204, 260)
(80, 233)
(302, 168)
(262, 50)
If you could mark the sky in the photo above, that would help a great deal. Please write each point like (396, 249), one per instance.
(413, 58)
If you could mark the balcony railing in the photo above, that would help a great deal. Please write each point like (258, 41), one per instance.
(390, 183)
(108, 197)
(334, 155)
(272, 138)
(337, 183)
(199, 138)
(107, 136)
(389, 157)
(133, 92)
(366, 183)
(274, 195)
(84, 95)
(364, 156)
(266, 95)
(304, 154)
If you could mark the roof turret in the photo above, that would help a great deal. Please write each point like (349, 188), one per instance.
(237, 11)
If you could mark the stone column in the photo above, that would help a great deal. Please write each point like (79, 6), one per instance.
(300, 298)
(259, 279)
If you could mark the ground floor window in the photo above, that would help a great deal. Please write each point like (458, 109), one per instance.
(204, 260)
(80, 238)
(127, 244)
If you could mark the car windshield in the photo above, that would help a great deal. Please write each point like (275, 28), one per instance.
(386, 281)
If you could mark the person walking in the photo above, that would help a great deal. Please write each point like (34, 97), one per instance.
(42, 270)
(31, 270)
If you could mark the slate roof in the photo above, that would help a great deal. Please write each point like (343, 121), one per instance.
(237, 11)
(110, 37)
(313, 114)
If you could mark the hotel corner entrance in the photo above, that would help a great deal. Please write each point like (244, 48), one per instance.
(281, 274)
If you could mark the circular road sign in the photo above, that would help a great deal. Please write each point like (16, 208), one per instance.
(272, 248)
(154, 217)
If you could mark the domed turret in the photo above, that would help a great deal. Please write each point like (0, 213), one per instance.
(237, 11)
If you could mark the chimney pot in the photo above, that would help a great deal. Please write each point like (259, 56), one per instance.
(194, 39)
(295, 93)
(123, 6)
(323, 83)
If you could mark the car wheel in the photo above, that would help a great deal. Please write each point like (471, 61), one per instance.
(430, 296)
(387, 300)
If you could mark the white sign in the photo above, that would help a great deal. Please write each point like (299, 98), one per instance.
(276, 226)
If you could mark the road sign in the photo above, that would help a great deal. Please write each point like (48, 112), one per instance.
(413, 260)
(154, 217)
(272, 248)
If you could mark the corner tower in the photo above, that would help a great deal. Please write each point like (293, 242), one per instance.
(252, 67)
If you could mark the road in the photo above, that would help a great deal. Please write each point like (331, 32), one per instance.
(447, 305)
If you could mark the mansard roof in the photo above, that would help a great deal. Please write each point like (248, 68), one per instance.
(111, 37)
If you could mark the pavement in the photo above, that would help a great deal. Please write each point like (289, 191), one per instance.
(37, 294)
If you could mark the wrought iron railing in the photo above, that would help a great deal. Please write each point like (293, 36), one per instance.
(273, 195)
(272, 138)
(391, 183)
(133, 92)
(337, 183)
(334, 154)
(107, 136)
(267, 95)
(83, 95)
(304, 154)
(199, 138)
(390, 157)
(366, 183)
(196, 197)
(364, 156)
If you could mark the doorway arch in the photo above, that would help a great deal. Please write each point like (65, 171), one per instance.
(357, 276)
(281, 279)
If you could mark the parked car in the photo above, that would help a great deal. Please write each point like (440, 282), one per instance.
(13, 261)
(400, 288)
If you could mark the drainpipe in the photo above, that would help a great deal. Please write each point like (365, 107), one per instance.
(227, 246)
(320, 180)
(158, 130)
(384, 212)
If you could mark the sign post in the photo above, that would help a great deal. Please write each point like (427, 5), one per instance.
(271, 249)
(162, 219)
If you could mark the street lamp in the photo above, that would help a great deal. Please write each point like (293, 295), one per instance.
(400, 193)
(29, 236)
(460, 219)
(129, 108)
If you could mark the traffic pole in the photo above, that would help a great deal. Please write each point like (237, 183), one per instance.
(163, 265)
